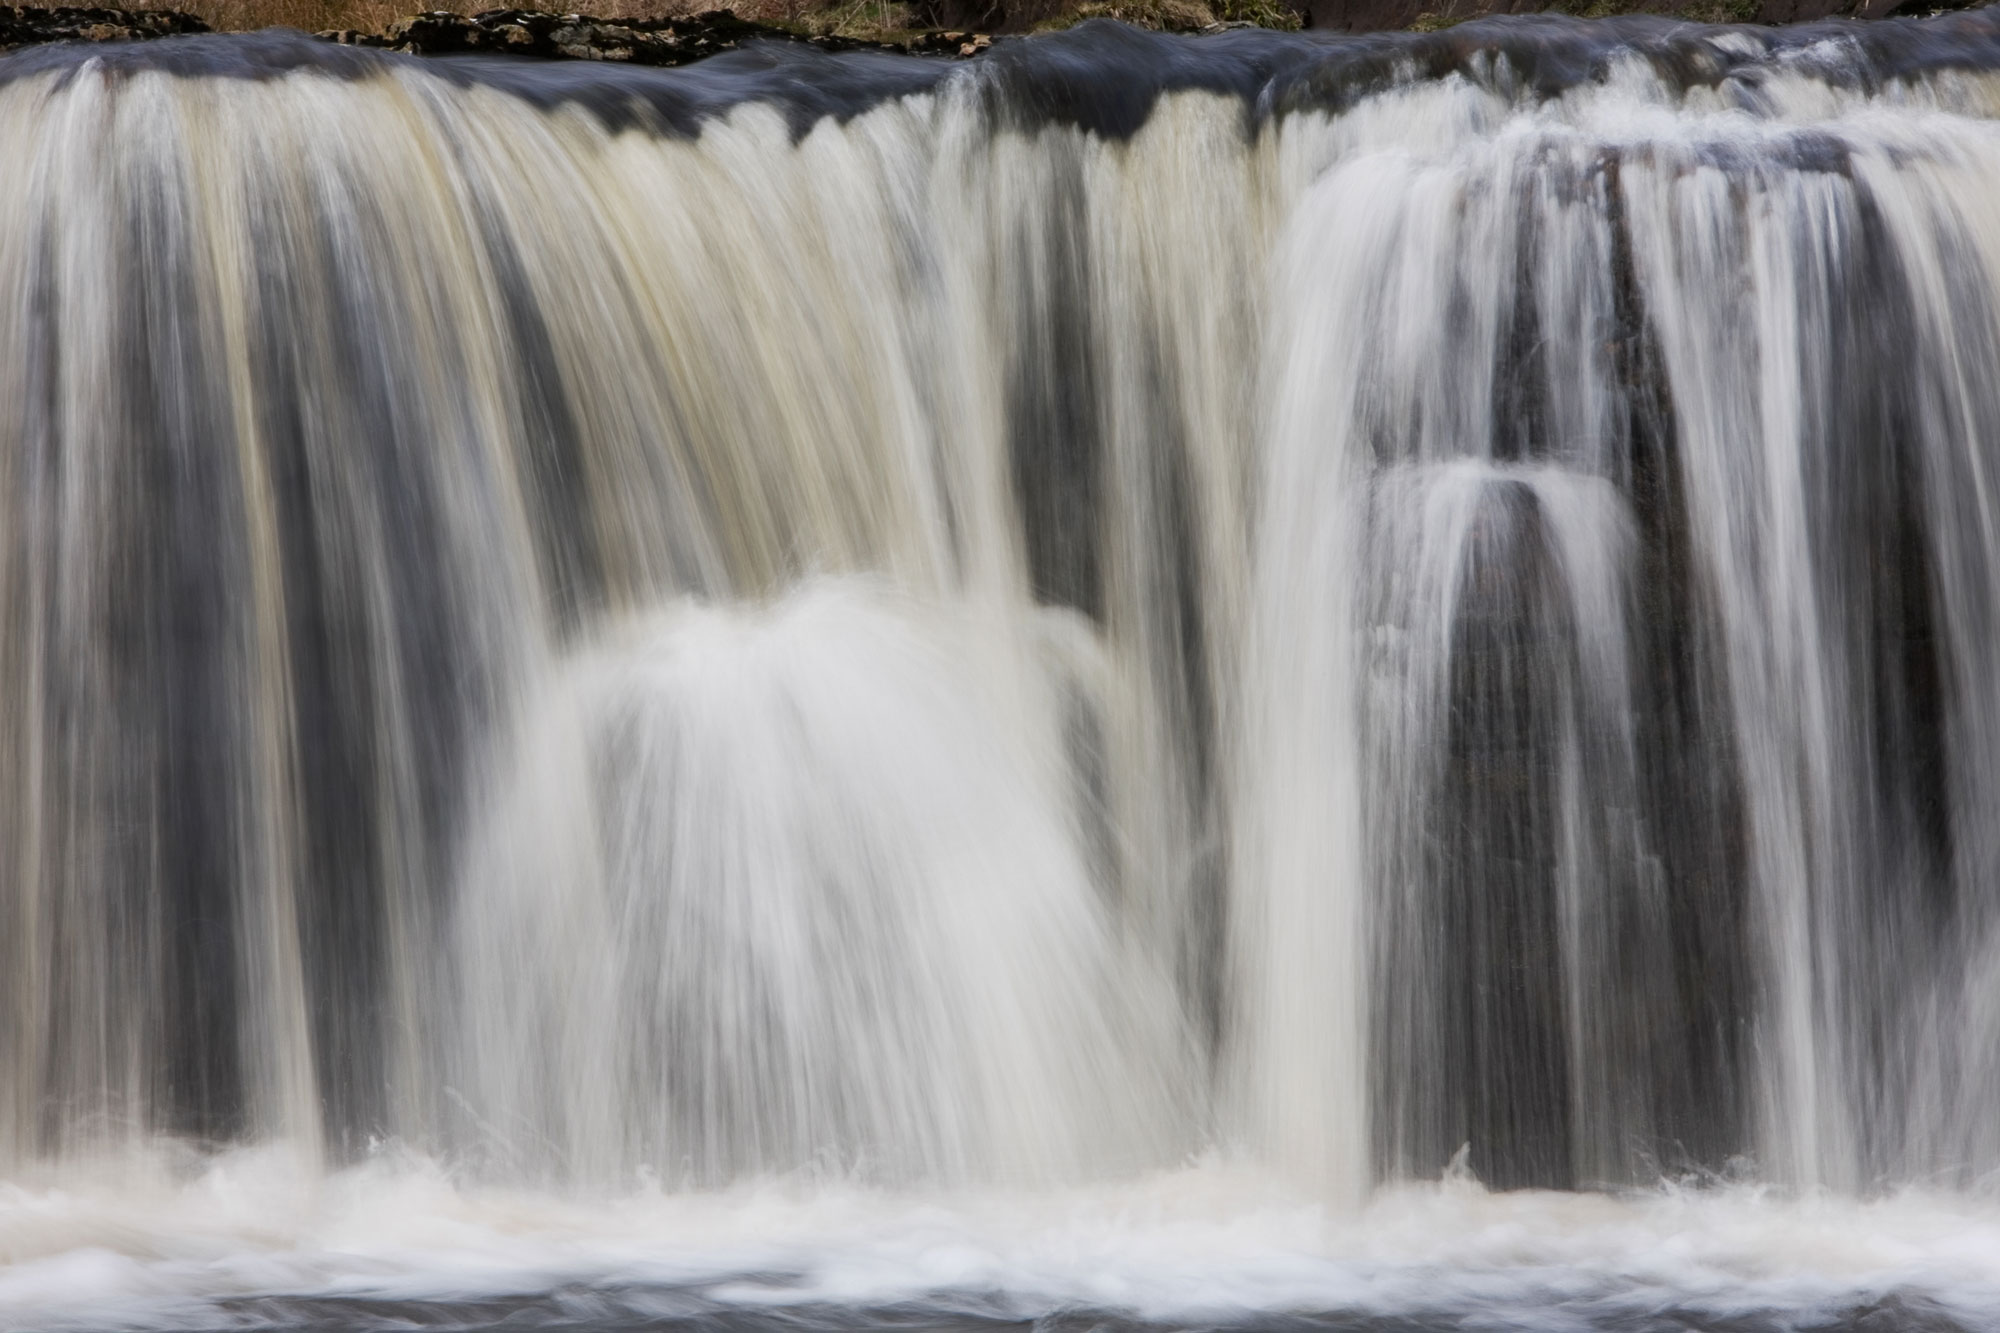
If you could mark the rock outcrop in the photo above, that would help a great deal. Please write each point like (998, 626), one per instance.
(954, 25)
(664, 41)
(1391, 15)
(21, 26)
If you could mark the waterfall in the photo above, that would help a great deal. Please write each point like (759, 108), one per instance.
(752, 898)
(1384, 607)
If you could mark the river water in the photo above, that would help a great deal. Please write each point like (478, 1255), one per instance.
(1221, 680)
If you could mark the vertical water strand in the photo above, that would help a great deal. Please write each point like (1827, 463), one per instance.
(1948, 261)
(1710, 361)
(1123, 388)
(126, 775)
(1744, 364)
(414, 573)
(1297, 927)
(27, 381)
(82, 1058)
(1929, 285)
(1175, 313)
(277, 1036)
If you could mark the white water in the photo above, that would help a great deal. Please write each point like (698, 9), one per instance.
(765, 874)
(887, 686)
(144, 1246)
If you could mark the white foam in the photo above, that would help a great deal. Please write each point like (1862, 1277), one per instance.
(1208, 1241)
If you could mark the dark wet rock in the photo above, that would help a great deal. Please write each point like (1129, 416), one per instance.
(672, 76)
(26, 27)
(656, 42)
(1545, 55)
(1431, 15)
(802, 80)
(956, 29)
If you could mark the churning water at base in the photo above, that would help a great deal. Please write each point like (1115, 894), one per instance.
(773, 692)
(258, 1240)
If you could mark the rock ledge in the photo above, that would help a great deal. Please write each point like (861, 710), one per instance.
(22, 26)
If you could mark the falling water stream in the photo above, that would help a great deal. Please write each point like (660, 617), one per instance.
(1324, 681)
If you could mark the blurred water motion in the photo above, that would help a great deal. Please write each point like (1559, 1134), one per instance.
(1383, 607)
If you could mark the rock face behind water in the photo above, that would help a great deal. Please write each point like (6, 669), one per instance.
(663, 41)
(26, 27)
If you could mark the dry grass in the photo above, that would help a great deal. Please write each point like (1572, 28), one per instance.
(871, 19)
(1171, 15)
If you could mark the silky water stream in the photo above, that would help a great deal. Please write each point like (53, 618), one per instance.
(1265, 679)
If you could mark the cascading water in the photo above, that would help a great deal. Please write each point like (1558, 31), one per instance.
(1028, 685)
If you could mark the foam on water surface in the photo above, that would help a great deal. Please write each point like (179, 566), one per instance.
(256, 1238)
